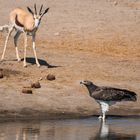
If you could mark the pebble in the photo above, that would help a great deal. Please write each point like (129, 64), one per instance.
(36, 85)
(1, 75)
(50, 77)
(27, 91)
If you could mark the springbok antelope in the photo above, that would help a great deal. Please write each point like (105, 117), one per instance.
(24, 22)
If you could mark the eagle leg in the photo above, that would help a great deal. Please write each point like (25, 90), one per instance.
(104, 107)
(103, 118)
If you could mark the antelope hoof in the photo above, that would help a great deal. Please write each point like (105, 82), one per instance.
(18, 59)
(38, 65)
(24, 65)
(2, 59)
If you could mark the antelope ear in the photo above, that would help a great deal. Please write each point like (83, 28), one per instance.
(30, 11)
(45, 12)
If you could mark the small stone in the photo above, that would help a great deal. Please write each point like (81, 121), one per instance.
(1, 75)
(36, 85)
(50, 77)
(27, 91)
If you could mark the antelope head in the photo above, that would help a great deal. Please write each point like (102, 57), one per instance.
(37, 16)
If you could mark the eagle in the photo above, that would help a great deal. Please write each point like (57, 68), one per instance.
(107, 96)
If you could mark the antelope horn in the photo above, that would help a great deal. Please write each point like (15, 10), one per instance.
(35, 9)
(40, 9)
(45, 12)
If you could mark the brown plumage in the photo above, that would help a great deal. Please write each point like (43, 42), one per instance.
(107, 96)
(109, 93)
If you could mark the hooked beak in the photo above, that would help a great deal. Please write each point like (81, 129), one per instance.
(82, 82)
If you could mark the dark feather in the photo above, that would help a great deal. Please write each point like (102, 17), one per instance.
(109, 93)
(113, 94)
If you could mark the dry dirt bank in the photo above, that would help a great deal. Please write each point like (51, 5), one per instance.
(94, 40)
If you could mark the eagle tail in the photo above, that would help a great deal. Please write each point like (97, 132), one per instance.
(130, 96)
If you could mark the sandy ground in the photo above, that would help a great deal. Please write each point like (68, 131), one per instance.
(97, 40)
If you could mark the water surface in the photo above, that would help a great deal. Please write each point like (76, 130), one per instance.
(78, 129)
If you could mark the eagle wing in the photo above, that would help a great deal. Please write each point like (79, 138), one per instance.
(113, 94)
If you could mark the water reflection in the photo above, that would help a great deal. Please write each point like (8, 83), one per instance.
(83, 129)
(30, 133)
(105, 133)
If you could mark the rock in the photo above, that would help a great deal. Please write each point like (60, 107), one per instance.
(27, 87)
(50, 77)
(36, 85)
(27, 91)
(1, 75)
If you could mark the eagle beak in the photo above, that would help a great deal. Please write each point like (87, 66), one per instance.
(82, 82)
